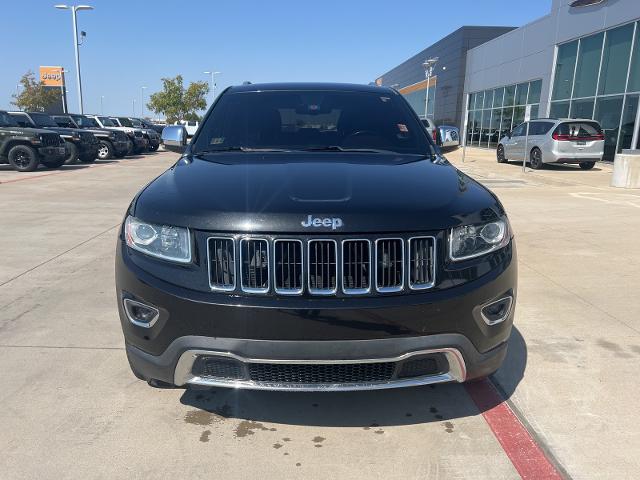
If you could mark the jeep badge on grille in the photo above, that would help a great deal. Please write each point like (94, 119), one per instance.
(322, 222)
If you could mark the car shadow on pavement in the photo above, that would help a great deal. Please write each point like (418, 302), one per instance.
(367, 409)
(554, 167)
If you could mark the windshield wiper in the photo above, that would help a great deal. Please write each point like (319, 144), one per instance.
(239, 149)
(337, 148)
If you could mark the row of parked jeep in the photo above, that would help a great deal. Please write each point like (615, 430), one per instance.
(29, 139)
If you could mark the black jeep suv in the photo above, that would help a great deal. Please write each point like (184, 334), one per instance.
(26, 148)
(111, 143)
(312, 237)
(80, 145)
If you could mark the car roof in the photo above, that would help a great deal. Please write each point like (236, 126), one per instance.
(345, 87)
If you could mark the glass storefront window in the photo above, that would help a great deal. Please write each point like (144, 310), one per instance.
(582, 108)
(498, 95)
(484, 133)
(615, 60)
(488, 98)
(534, 91)
(634, 74)
(521, 93)
(507, 116)
(518, 116)
(494, 128)
(559, 110)
(628, 122)
(608, 112)
(587, 67)
(535, 111)
(509, 95)
(565, 65)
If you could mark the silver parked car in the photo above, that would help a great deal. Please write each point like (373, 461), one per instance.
(549, 140)
(445, 136)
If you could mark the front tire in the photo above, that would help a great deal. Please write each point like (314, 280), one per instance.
(153, 148)
(587, 165)
(535, 159)
(105, 150)
(500, 155)
(72, 153)
(87, 158)
(23, 158)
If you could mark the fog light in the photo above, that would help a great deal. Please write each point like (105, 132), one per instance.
(497, 311)
(140, 314)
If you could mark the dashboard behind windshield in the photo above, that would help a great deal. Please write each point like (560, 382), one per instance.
(313, 120)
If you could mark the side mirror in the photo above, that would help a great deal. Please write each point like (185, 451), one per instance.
(174, 138)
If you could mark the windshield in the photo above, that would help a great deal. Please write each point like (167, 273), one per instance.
(7, 120)
(125, 122)
(85, 122)
(42, 120)
(137, 123)
(107, 122)
(64, 122)
(313, 120)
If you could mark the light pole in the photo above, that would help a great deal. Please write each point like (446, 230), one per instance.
(74, 9)
(213, 83)
(142, 89)
(101, 104)
(428, 65)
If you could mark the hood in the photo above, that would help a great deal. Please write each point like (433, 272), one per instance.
(277, 193)
(63, 130)
(24, 130)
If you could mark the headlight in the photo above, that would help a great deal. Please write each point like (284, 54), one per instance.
(470, 241)
(162, 241)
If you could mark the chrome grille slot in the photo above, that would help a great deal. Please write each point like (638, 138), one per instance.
(389, 265)
(356, 266)
(254, 262)
(322, 267)
(421, 262)
(222, 263)
(288, 267)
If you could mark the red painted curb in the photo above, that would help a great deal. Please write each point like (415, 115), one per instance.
(525, 454)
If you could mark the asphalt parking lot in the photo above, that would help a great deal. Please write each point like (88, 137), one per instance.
(70, 407)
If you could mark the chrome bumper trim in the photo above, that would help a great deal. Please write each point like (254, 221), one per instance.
(183, 376)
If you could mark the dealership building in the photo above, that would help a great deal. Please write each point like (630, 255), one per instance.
(582, 60)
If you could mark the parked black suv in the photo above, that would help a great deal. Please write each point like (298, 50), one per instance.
(80, 145)
(111, 143)
(310, 237)
(25, 148)
(152, 137)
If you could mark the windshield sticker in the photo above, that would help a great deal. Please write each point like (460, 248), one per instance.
(217, 141)
(403, 128)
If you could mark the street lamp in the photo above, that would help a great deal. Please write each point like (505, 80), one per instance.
(74, 9)
(101, 104)
(428, 65)
(213, 83)
(142, 89)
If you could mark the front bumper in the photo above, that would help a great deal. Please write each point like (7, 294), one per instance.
(53, 152)
(321, 331)
(140, 142)
(88, 150)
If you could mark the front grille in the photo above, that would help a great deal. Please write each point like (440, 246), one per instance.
(121, 137)
(217, 367)
(390, 264)
(356, 266)
(222, 264)
(50, 139)
(321, 373)
(421, 264)
(254, 260)
(323, 267)
(288, 267)
(345, 266)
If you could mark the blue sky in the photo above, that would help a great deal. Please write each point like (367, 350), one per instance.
(134, 43)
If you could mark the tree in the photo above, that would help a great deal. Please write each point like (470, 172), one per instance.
(34, 96)
(178, 103)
